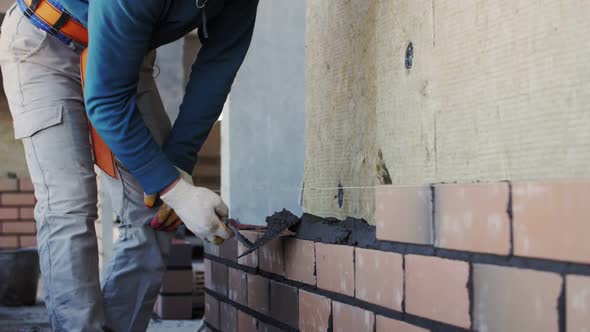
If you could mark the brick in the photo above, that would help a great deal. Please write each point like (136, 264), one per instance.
(229, 250)
(238, 285)
(404, 213)
(263, 327)
(19, 227)
(8, 213)
(551, 220)
(211, 249)
(270, 257)
(174, 307)
(335, 268)
(181, 255)
(300, 260)
(258, 288)
(208, 274)
(284, 303)
(436, 288)
(177, 281)
(212, 311)
(251, 259)
(349, 318)
(7, 242)
(513, 299)
(26, 241)
(25, 185)
(385, 324)
(246, 323)
(8, 184)
(578, 303)
(371, 286)
(473, 217)
(228, 317)
(17, 199)
(26, 213)
(314, 312)
(219, 277)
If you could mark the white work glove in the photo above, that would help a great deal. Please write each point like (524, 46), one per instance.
(200, 209)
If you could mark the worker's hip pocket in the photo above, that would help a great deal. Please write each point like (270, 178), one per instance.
(26, 124)
(20, 38)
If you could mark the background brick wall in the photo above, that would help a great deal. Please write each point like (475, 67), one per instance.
(480, 257)
(17, 223)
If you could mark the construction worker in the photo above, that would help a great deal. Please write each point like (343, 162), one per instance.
(40, 48)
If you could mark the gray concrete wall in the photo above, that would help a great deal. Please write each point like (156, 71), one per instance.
(263, 127)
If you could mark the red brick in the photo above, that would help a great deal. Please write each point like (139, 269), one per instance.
(349, 318)
(551, 220)
(27, 241)
(300, 260)
(371, 286)
(18, 227)
(246, 323)
(578, 303)
(404, 213)
(25, 185)
(473, 217)
(174, 307)
(436, 288)
(513, 299)
(208, 274)
(212, 311)
(219, 277)
(385, 324)
(251, 259)
(229, 250)
(335, 268)
(8, 213)
(270, 257)
(228, 317)
(263, 327)
(177, 281)
(7, 242)
(314, 312)
(284, 303)
(8, 184)
(258, 288)
(26, 213)
(16, 199)
(238, 285)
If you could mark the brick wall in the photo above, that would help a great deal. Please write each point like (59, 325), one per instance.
(17, 224)
(450, 257)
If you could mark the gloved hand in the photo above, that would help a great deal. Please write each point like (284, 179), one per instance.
(165, 219)
(200, 209)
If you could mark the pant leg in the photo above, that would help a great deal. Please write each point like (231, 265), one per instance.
(41, 81)
(134, 274)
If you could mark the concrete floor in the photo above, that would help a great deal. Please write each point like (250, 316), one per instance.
(34, 319)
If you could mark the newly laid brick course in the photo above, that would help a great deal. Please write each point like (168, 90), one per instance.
(9, 213)
(300, 260)
(26, 213)
(513, 299)
(335, 268)
(385, 324)
(18, 227)
(251, 259)
(228, 317)
(8, 184)
(379, 277)
(212, 310)
(238, 286)
(436, 288)
(17, 199)
(246, 323)
(578, 303)
(284, 303)
(258, 293)
(473, 217)
(404, 213)
(349, 318)
(270, 257)
(8, 241)
(314, 312)
(551, 220)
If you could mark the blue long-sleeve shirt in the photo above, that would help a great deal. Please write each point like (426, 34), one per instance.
(121, 32)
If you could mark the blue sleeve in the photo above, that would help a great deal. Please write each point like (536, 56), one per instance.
(119, 38)
(212, 75)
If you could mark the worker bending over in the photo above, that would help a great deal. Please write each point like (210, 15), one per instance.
(40, 50)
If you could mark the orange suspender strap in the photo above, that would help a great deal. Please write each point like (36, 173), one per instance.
(50, 15)
(103, 157)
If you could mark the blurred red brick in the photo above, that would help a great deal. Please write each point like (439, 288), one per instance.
(270, 257)
(300, 260)
(26, 213)
(238, 286)
(349, 318)
(8, 184)
(8, 213)
(371, 267)
(578, 303)
(18, 227)
(25, 185)
(385, 324)
(251, 259)
(8, 241)
(335, 268)
(228, 317)
(16, 199)
(258, 288)
(246, 323)
(211, 311)
(27, 241)
(314, 312)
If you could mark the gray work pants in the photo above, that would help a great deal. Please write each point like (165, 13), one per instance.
(42, 83)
